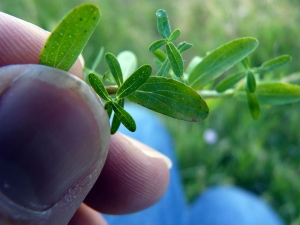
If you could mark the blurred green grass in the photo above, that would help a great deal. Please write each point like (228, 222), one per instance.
(261, 156)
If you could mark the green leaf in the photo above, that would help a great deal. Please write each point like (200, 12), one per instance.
(137, 79)
(124, 117)
(128, 63)
(230, 81)
(160, 55)
(99, 87)
(171, 98)
(253, 105)
(164, 69)
(115, 124)
(276, 93)
(274, 63)
(175, 59)
(156, 45)
(251, 83)
(183, 46)
(175, 35)
(220, 60)
(163, 24)
(115, 68)
(246, 63)
(68, 39)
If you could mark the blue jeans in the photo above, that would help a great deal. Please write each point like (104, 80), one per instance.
(222, 205)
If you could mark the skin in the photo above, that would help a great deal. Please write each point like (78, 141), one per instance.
(133, 177)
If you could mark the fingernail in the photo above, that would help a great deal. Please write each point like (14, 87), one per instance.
(50, 136)
(158, 155)
(149, 152)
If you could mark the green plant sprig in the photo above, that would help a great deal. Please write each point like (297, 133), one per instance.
(173, 90)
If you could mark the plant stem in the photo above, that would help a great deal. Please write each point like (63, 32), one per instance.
(111, 90)
(215, 94)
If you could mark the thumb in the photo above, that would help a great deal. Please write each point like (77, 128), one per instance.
(54, 139)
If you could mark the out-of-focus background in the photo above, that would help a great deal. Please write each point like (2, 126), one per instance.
(229, 147)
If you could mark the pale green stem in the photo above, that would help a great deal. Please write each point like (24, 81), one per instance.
(98, 59)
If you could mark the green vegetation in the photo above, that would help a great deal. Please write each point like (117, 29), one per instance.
(262, 156)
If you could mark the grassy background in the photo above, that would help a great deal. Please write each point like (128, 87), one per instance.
(261, 156)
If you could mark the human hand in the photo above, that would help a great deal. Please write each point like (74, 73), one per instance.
(51, 150)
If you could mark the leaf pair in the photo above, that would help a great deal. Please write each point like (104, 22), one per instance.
(267, 66)
(231, 80)
(121, 116)
(274, 93)
(138, 78)
(133, 82)
(270, 93)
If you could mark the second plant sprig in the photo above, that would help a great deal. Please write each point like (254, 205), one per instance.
(174, 58)
(173, 91)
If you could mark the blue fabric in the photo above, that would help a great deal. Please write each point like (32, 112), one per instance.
(216, 206)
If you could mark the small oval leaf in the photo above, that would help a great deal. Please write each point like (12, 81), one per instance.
(220, 60)
(175, 35)
(183, 46)
(250, 82)
(230, 81)
(115, 124)
(253, 105)
(156, 45)
(175, 59)
(124, 117)
(99, 87)
(171, 98)
(68, 39)
(274, 63)
(164, 69)
(115, 68)
(163, 24)
(137, 79)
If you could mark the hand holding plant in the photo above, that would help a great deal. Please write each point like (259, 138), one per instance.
(49, 119)
(173, 91)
